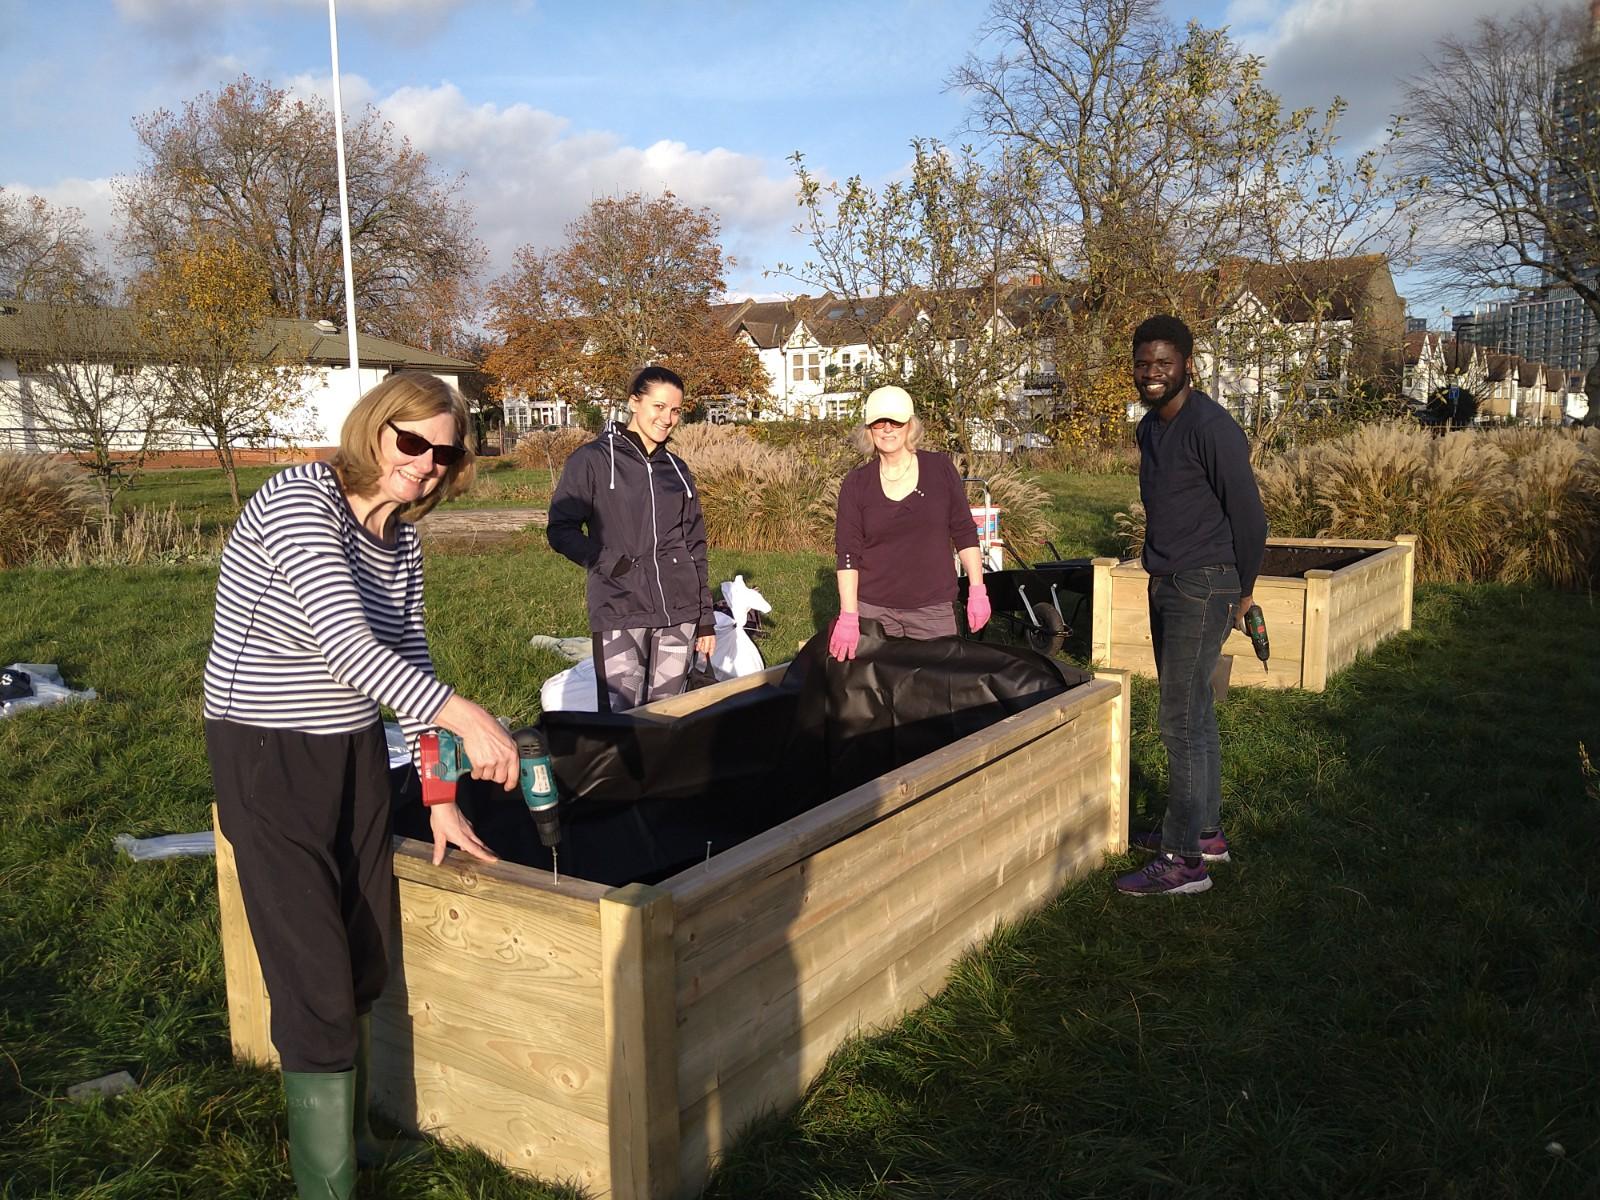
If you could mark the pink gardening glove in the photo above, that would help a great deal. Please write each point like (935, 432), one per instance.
(846, 636)
(978, 610)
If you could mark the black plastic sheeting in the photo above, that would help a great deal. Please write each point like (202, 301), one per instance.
(642, 796)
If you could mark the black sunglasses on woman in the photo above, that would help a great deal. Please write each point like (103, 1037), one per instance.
(416, 445)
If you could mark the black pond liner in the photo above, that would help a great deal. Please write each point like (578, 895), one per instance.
(642, 796)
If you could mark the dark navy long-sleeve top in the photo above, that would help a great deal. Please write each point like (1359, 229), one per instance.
(1202, 506)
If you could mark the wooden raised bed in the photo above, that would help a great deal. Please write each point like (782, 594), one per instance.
(1325, 601)
(621, 1037)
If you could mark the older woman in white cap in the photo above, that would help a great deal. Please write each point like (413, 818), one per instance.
(900, 515)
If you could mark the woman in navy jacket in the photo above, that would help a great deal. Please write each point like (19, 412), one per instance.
(626, 511)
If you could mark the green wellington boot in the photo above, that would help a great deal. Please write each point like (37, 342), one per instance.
(372, 1150)
(322, 1107)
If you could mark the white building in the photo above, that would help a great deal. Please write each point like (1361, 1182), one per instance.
(32, 334)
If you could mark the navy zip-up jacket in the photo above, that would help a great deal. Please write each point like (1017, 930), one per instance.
(1202, 507)
(633, 521)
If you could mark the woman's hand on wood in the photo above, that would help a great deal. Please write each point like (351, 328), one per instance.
(451, 828)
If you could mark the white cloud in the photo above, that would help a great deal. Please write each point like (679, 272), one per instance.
(167, 12)
(529, 172)
(1361, 50)
(95, 198)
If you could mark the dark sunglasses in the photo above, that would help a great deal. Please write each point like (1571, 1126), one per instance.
(890, 422)
(416, 445)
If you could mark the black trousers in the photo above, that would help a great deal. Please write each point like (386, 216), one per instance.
(309, 820)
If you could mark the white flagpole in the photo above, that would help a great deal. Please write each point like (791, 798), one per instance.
(344, 203)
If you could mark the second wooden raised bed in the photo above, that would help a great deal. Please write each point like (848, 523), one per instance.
(1325, 601)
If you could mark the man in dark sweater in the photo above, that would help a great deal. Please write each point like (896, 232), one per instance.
(1205, 536)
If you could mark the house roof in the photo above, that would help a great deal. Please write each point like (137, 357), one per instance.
(1289, 289)
(32, 329)
(768, 322)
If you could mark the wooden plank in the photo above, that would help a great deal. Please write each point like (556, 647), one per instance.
(1100, 625)
(793, 840)
(717, 943)
(1118, 803)
(1314, 656)
(249, 1010)
(548, 954)
(494, 1033)
(878, 866)
(1333, 543)
(513, 997)
(778, 1080)
(508, 882)
(523, 1132)
(641, 1042)
(674, 707)
(757, 1008)
(1409, 541)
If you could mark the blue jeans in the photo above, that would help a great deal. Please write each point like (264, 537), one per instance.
(1191, 612)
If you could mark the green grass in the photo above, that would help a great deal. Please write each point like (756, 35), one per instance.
(196, 492)
(1082, 507)
(1394, 992)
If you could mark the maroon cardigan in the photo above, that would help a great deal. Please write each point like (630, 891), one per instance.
(903, 547)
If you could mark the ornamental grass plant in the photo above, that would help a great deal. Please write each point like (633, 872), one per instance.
(1510, 505)
(45, 502)
(139, 537)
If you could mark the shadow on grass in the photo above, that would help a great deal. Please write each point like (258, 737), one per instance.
(1391, 992)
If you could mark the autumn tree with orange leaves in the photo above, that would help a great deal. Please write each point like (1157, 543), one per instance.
(218, 357)
(633, 285)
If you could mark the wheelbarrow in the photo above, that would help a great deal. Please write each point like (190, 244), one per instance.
(1038, 604)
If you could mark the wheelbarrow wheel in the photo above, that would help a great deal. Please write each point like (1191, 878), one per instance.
(1050, 634)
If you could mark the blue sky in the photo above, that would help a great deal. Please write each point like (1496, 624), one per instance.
(546, 104)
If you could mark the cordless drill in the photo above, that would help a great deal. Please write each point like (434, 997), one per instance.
(444, 761)
(1256, 626)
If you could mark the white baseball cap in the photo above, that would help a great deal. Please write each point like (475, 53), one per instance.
(891, 402)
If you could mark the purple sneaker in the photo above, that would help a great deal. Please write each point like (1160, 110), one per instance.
(1213, 847)
(1164, 875)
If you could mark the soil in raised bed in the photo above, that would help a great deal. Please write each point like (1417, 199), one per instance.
(1292, 562)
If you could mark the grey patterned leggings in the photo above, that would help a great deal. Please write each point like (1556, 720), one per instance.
(635, 666)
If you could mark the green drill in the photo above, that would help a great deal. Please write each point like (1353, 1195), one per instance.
(1256, 626)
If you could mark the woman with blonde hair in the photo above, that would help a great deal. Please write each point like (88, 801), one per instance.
(319, 622)
(900, 515)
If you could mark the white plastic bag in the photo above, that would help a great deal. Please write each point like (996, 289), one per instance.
(573, 690)
(172, 845)
(48, 688)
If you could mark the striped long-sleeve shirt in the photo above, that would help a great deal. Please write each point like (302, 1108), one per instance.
(318, 622)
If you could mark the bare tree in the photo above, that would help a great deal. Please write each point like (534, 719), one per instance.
(920, 272)
(1317, 232)
(1142, 136)
(46, 252)
(1506, 129)
(86, 390)
(255, 165)
(1171, 177)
